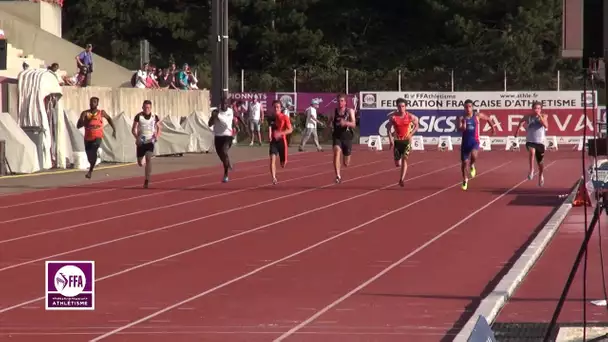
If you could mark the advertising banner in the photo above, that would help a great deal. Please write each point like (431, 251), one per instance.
(265, 98)
(298, 102)
(327, 102)
(438, 112)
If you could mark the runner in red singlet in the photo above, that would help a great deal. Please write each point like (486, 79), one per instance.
(404, 124)
(92, 121)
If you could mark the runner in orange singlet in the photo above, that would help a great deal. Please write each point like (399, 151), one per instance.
(405, 125)
(279, 126)
(92, 121)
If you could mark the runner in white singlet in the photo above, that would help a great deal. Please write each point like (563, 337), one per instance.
(146, 130)
(536, 126)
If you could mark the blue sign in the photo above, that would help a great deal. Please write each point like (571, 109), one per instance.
(432, 122)
(482, 332)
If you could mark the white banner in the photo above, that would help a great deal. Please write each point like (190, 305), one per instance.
(493, 140)
(481, 100)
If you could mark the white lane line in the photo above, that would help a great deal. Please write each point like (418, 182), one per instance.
(262, 174)
(171, 225)
(257, 270)
(396, 264)
(95, 192)
(233, 236)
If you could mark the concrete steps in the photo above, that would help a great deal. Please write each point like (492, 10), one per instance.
(15, 59)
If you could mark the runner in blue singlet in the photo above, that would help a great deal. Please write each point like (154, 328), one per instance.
(470, 127)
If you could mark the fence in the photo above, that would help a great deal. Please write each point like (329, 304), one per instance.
(116, 100)
(298, 80)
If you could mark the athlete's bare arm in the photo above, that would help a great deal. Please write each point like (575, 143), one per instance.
(352, 123)
(110, 122)
(521, 123)
(488, 120)
(330, 121)
(156, 128)
(461, 124)
(134, 128)
(289, 129)
(270, 132)
(413, 131)
(389, 127)
(213, 117)
(544, 120)
(82, 119)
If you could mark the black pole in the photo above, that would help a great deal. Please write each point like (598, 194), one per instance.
(216, 52)
(579, 257)
(225, 49)
(605, 47)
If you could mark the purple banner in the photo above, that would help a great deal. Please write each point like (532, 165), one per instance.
(327, 101)
(265, 98)
(297, 101)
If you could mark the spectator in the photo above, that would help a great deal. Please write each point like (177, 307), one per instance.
(162, 77)
(182, 78)
(149, 77)
(151, 81)
(85, 58)
(54, 68)
(192, 80)
(171, 79)
(78, 79)
(141, 76)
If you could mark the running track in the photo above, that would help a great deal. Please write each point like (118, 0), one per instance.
(306, 260)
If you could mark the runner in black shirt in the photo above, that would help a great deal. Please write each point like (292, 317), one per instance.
(343, 123)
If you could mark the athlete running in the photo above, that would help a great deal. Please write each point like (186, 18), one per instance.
(536, 126)
(279, 125)
(222, 121)
(92, 121)
(405, 125)
(343, 122)
(146, 130)
(469, 125)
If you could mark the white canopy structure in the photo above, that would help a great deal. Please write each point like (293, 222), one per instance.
(21, 152)
(38, 108)
(196, 125)
(173, 138)
(121, 149)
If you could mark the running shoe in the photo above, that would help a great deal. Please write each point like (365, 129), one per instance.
(225, 179)
(473, 171)
(541, 180)
(338, 179)
(464, 185)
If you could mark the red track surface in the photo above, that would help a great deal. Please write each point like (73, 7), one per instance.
(536, 298)
(219, 263)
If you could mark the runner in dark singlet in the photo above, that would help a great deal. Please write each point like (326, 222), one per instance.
(343, 122)
(92, 121)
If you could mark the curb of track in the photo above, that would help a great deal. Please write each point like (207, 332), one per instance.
(491, 305)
